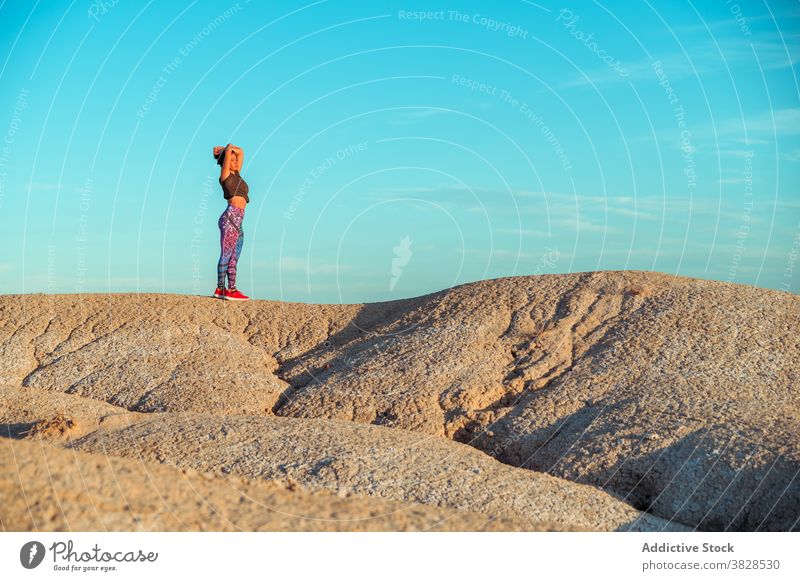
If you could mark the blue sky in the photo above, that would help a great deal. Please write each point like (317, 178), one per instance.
(397, 148)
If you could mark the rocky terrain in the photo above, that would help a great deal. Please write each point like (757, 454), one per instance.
(590, 401)
(67, 491)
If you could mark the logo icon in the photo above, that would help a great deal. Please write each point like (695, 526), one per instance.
(31, 554)
(402, 256)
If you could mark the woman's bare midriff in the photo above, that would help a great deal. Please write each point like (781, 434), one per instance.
(237, 202)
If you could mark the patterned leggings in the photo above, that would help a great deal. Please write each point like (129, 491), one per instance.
(231, 240)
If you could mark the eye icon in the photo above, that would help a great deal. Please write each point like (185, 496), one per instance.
(31, 554)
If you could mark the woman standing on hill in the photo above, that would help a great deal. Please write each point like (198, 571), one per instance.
(231, 237)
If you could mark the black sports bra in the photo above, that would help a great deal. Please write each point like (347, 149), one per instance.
(234, 185)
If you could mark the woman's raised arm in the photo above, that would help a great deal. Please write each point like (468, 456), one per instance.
(226, 163)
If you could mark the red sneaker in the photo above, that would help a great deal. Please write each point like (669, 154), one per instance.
(219, 293)
(233, 294)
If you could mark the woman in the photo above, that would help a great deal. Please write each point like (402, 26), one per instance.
(231, 237)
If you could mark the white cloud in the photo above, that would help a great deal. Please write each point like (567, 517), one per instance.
(423, 189)
(293, 263)
(412, 116)
(793, 155)
(753, 141)
(522, 232)
(742, 153)
(584, 226)
(702, 58)
(639, 215)
(499, 253)
(42, 186)
(780, 121)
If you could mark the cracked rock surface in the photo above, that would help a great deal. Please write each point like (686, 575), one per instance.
(676, 395)
(63, 490)
(343, 458)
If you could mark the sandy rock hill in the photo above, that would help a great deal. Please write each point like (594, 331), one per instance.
(678, 395)
(64, 490)
(346, 459)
